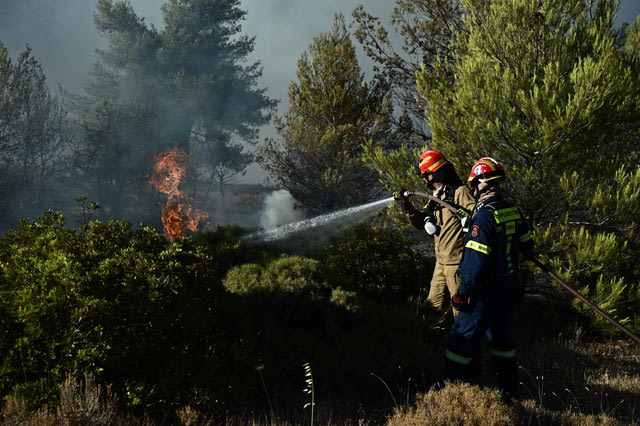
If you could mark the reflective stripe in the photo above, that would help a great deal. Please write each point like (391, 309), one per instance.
(474, 245)
(510, 228)
(525, 237)
(504, 354)
(506, 215)
(433, 166)
(457, 358)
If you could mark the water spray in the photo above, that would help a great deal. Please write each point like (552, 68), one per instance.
(285, 231)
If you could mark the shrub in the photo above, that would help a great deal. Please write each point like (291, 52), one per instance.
(245, 279)
(117, 303)
(285, 275)
(456, 404)
(378, 262)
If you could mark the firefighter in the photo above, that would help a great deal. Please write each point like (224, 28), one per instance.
(489, 279)
(445, 227)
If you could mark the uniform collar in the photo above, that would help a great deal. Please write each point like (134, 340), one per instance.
(487, 197)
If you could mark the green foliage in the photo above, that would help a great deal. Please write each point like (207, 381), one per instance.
(598, 265)
(379, 263)
(345, 299)
(332, 110)
(188, 322)
(548, 89)
(114, 302)
(292, 276)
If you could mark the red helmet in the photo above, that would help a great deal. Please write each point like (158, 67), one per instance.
(431, 160)
(485, 170)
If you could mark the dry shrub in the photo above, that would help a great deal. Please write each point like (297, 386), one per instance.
(456, 404)
(189, 416)
(465, 404)
(86, 403)
(578, 419)
(16, 413)
(81, 403)
(532, 413)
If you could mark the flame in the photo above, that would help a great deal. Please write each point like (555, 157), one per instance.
(178, 214)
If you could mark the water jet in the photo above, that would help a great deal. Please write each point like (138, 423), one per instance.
(346, 216)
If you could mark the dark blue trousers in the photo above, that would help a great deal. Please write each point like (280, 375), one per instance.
(492, 316)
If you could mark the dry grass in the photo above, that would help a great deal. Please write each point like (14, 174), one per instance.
(81, 403)
(465, 404)
(455, 404)
(565, 380)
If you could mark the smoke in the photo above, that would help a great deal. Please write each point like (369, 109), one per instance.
(279, 209)
(63, 39)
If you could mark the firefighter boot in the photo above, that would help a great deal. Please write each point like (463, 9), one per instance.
(506, 371)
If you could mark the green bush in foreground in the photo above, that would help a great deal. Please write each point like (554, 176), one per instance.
(124, 305)
(211, 325)
(379, 263)
(186, 323)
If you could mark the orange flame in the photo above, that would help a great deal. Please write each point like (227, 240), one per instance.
(178, 215)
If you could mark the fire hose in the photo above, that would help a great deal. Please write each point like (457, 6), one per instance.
(602, 313)
(458, 211)
(463, 212)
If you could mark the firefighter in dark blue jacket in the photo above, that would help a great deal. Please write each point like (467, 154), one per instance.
(489, 279)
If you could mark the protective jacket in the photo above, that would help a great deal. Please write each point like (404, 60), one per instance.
(489, 277)
(497, 234)
(448, 241)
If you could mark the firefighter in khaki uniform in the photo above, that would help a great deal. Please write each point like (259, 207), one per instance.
(445, 227)
(489, 281)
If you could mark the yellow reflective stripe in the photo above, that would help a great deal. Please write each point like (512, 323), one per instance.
(506, 215)
(525, 237)
(487, 163)
(510, 228)
(433, 166)
(504, 354)
(474, 245)
(458, 359)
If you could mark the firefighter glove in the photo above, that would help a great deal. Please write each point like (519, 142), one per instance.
(464, 222)
(402, 194)
(430, 226)
(462, 303)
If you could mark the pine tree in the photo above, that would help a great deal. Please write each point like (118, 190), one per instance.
(185, 84)
(332, 111)
(33, 135)
(421, 31)
(551, 91)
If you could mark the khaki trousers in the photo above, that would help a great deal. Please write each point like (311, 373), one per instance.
(444, 284)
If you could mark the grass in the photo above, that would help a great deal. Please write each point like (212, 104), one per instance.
(565, 380)
(571, 379)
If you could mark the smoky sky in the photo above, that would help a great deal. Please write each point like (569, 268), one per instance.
(63, 38)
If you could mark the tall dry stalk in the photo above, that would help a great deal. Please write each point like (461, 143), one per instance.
(309, 389)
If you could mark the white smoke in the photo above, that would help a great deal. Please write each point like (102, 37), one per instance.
(279, 209)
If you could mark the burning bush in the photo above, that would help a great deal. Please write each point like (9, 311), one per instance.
(179, 216)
